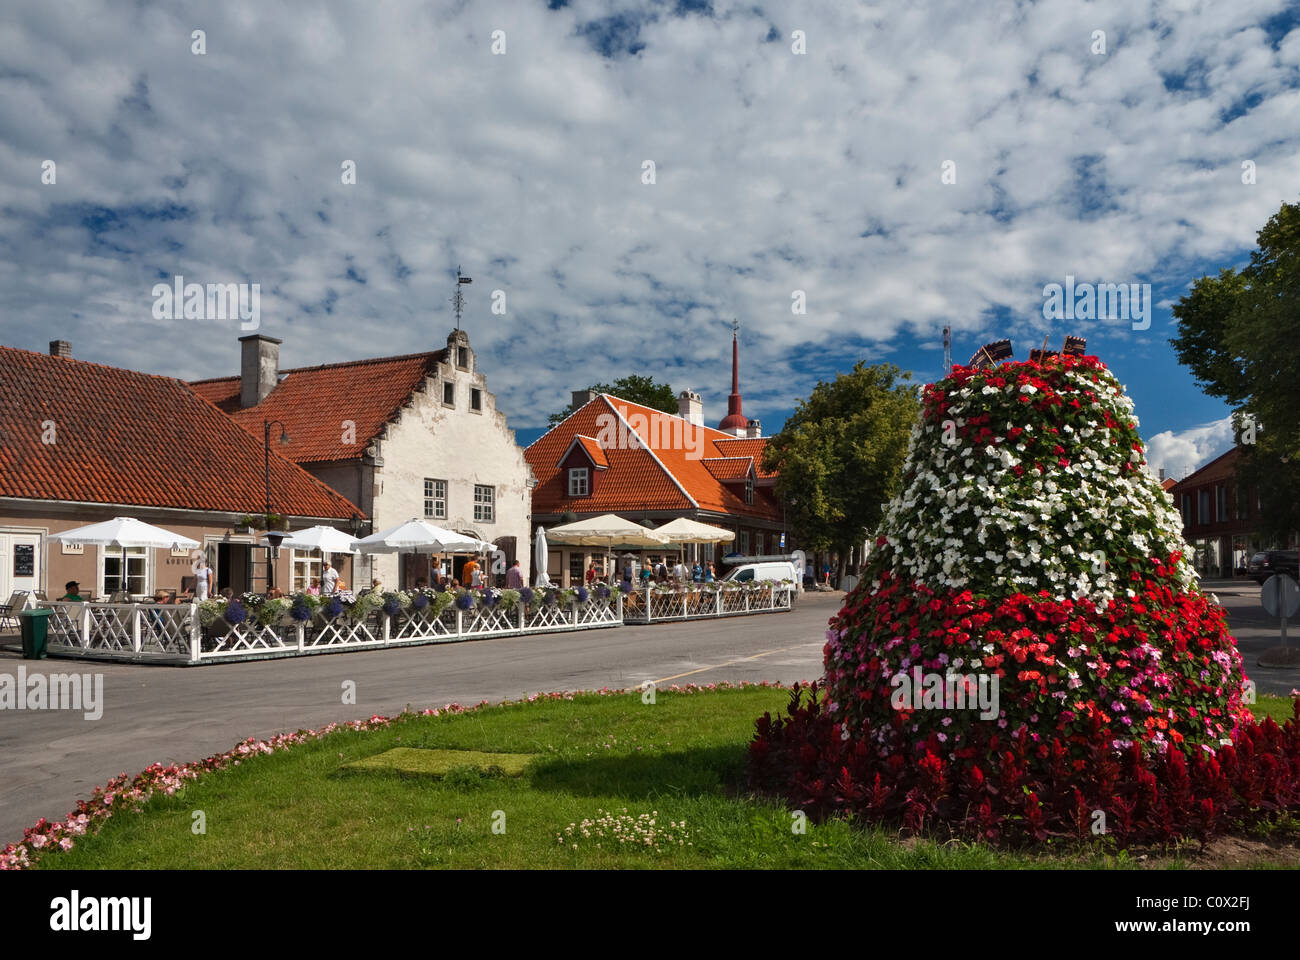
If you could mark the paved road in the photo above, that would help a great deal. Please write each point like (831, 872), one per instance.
(50, 759)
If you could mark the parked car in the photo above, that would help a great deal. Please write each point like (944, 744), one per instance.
(772, 570)
(1268, 562)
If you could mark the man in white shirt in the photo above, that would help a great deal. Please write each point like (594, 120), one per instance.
(329, 580)
(680, 573)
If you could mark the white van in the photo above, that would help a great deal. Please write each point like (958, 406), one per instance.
(771, 570)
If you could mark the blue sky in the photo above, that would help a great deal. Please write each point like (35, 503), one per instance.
(776, 171)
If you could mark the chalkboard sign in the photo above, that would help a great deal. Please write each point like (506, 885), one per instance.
(24, 560)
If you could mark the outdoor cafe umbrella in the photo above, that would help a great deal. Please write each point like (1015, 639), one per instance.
(322, 538)
(683, 530)
(419, 536)
(540, 550)
(124, 533)
(606, 530)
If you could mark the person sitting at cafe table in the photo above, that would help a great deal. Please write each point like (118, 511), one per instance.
(73, 592)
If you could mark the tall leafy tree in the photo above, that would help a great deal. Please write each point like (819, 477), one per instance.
(840, 456)
(1239, 334)
(638, 389)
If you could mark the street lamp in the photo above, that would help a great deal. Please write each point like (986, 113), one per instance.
(273, 537)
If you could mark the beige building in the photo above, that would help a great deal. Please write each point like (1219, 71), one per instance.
(417, 435)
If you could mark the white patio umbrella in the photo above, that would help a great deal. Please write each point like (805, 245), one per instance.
(419, 536)
(322, 538)
(125, 533)
(540, 550)
(607, 530)
(683, 530)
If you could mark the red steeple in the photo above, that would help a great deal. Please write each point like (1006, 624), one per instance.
(735, 421)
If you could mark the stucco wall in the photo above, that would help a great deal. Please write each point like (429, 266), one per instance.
(462, 447)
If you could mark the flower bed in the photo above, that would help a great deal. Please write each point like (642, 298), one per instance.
(1029, 556)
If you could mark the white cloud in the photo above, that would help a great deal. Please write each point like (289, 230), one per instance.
(1186, 451)
(776, 172)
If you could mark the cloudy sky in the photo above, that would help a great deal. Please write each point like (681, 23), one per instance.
(775, 171)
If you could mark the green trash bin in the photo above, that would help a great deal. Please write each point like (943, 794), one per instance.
(35, 626)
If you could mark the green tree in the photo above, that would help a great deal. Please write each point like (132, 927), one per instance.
(1239, 334)
(840, 456)
(636, 388)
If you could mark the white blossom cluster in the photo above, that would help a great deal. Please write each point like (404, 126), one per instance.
(965, 520)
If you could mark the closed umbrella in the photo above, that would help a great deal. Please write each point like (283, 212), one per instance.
(540, 550)
(125, 533)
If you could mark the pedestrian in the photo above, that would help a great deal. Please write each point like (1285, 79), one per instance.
(591, 573)
(469, 573)
(202, 579)
(679, 571)
(514, 576)
(72, 593)
(329, 580)
(697, 573)
(709, 575)
(314, 589)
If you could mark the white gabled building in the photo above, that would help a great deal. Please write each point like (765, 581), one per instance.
(409, 436)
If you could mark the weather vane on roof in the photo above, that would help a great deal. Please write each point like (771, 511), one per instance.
(458, 300)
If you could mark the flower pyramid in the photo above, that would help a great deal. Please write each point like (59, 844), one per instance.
(1030, 543)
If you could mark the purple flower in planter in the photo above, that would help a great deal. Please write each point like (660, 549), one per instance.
(235, 613)
(602, 591)
(465, 601)
(420, 601)
(300, 612)
(526, 594)
(490, 598)
(392, 606)
(626, 586)
(582, 594)
(551, 597)
(333, 607)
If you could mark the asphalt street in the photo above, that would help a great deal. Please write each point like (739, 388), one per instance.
(49, 759)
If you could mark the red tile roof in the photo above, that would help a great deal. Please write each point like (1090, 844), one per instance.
(668, 474)
(746, 447)
(729, 468)
(314, 402)
(591, 447)
(134, 439)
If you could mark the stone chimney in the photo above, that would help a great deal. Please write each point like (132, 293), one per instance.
(1162, 474)
(582, 398)
(259, 368)
(61, 348)
(690, 407)
(754, 429)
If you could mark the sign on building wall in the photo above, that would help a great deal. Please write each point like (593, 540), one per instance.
(24, 560)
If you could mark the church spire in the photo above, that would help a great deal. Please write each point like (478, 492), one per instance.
(735, 421)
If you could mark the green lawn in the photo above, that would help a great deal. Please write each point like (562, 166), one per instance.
(679, 762)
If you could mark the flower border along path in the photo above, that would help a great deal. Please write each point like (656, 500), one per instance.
(126, 793)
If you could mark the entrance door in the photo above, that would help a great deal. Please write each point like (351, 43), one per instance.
(232, 567)
(20, 563)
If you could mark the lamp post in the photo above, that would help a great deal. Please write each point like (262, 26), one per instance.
(273, 537)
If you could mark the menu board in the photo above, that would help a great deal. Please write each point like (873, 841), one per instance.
(24, 560)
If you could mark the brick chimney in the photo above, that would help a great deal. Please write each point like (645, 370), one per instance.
(61, 348)
(754, 429)
(259, 368)
(690, 407)
(582, 398)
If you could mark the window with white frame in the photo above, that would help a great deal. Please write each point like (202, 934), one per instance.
(484, 503)
(749, 489)
(110, 571)
(435, 498)
(306, 568)
(579, 482)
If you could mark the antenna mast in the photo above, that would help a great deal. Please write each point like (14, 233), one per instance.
(458, 299)
(947, 349)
